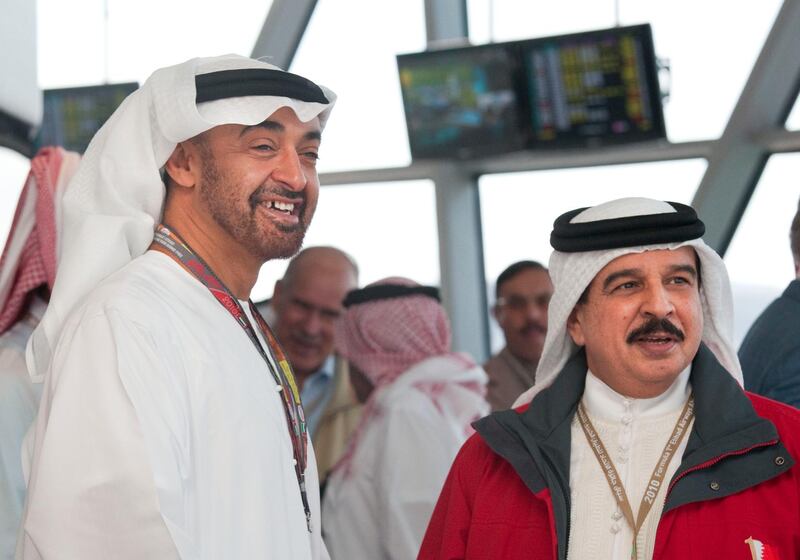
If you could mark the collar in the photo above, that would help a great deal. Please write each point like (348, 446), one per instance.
(325, 370)
(604, 403)
(717, 428)
(721, 428)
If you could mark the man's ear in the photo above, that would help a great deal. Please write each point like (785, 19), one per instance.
(574, 327)
(496, 311)
(182, 166)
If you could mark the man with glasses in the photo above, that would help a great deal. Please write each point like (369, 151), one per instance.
(523, 292)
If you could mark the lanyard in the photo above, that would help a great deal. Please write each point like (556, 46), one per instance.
(656, 479)
(168, 242)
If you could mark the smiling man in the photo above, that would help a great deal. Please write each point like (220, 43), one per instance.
(637, 440)
(170, 424)
(307, 303)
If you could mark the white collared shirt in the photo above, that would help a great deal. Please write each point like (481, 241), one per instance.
(634, 432)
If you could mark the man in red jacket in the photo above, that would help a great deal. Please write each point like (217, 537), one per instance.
(637, 440)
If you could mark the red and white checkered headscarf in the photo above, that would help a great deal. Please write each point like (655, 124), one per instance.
(385, 338)
(30, 255)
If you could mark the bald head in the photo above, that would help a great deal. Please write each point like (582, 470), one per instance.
(320, 260)
(308, 301)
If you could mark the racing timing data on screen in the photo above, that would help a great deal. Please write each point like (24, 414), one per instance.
(593, 86)
(72, 116)
(461, 102)
(585, 89)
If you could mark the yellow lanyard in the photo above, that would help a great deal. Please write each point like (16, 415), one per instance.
(656, 479)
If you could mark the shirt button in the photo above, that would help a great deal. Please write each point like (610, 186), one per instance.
(623, 459)
(616, 516)
(627, 419)
(779, 461)
(714, 486)
(615, 528)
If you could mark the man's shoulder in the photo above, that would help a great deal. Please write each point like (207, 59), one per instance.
(786, 418)
(475, 453)
(478, 466)
(143, 289)
(780, 314)
(773, 336)
(476, 446)
(496, 363)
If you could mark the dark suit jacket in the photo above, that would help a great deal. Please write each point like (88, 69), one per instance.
(770, 353)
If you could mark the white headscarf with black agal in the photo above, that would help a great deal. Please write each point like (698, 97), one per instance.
(115, 199)
(587, 239)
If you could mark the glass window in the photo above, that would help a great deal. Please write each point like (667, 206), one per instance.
(142, 36)
(711, 47)
(518, 209)
(389, 229)
(759, 259)
(350, 46)
(13, 171)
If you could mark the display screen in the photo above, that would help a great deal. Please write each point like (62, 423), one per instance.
(461, 102)
(584, 89)
(593, 88)
(72, 116)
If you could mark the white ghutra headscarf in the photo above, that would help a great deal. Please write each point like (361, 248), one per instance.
(573, 271)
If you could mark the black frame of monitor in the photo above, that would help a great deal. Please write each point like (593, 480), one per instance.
(519, 73)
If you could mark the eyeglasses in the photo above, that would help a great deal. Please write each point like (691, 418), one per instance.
(520, 303)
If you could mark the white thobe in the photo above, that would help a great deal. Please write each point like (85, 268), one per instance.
(19, 401)
(382, 508)
(634, 432)
(162, 435)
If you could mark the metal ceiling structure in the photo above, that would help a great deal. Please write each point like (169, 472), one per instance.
(282, 31)
(735, 161)
(739, 156)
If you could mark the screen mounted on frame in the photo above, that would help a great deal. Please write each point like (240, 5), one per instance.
(586, 89)
(462, 102)
(593, 88)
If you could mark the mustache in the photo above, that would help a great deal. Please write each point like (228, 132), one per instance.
(261, 192)
(532, 326)
(653, 326)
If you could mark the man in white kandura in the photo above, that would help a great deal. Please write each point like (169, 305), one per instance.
(27, 273)
(170, 425)
(420, 398)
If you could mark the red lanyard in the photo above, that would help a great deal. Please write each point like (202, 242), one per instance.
(169, 242)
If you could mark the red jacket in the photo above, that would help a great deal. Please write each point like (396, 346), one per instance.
(507, 495)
